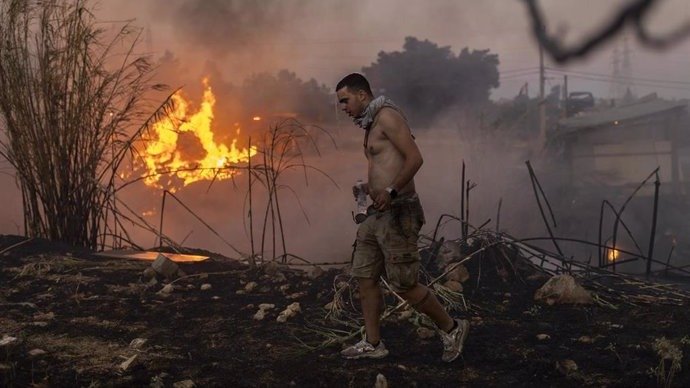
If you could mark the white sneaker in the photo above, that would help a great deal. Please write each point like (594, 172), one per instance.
(453, 341)
(364, 349)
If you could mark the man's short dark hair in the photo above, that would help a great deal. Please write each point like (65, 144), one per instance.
(355, 82)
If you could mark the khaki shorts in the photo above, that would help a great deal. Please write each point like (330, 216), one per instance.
(387, 241)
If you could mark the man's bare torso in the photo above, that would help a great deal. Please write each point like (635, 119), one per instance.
(385, 160)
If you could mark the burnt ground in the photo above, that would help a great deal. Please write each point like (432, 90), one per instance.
(84, 312)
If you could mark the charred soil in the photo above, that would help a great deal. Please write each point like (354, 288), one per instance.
(69, 318)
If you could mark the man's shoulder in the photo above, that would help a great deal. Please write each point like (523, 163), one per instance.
(390, 117)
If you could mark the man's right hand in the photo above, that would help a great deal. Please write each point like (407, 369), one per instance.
(364, 186)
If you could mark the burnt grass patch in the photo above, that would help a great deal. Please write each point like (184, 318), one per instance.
(84, 311)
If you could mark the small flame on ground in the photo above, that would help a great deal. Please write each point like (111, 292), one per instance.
(166, 162)
(613, 254)
(256, 118)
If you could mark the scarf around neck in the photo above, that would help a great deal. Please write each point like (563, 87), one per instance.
(366, 119)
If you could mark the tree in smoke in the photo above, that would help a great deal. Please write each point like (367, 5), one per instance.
(285, 93)
(427, 79)
(70, 109)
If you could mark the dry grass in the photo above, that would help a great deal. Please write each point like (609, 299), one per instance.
(71, 107)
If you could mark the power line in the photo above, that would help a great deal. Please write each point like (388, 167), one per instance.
(621, 77)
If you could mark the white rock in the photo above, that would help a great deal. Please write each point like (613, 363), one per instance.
(184, 384)
(316, 272)
(543, 337)
(566, 367)
(266, 306)
(7, 340)
(205, 287)
(250, 286)
(423, 332)
(381, 381)
(562, 289)
(167, 289)
(260, 315)
(137, 343)
(125, 365)
(36, 352)
(453, 285)
(289, 312)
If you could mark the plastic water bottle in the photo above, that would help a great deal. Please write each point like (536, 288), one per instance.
(361, 214)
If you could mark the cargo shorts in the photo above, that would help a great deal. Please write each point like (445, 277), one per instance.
(387, 243)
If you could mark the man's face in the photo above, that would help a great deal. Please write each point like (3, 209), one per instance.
(352, 102)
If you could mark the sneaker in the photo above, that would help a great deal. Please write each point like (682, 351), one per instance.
(364, 349)
(453, 341)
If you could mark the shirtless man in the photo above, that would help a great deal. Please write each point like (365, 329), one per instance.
(387, 240)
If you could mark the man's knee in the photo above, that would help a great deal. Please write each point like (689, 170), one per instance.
(367, 285)
(416, 296)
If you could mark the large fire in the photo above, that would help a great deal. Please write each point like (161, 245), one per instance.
(182, 148)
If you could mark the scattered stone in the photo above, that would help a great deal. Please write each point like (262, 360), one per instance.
(152, 282)
(270, 268)
(263, 308)
(149, 273)
(424, 333)
(284, 287)
(184, 384)
(205, 287)
(402, 367)
(562, 289)
(240, 292)
(215, 297)
(289, 312)
(279, 277)
(543, 337)
(316, 272)
(449, 251)
(329, 306)
(167, 289)
(7, 340)
(190, 286)
(507, 295)
(297, 295)
(125, 365)
(260, 315)
(44, 317)
(453, 285)
(137, 343)
(165, 267)
(585, 339)
(250, 286)
(36, 352)
(381, 381)
(566, 367)
(459, 273)
(39, 324)
(616, 326)
(477, 321)
(405, 315)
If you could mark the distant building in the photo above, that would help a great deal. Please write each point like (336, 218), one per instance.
(620, 146)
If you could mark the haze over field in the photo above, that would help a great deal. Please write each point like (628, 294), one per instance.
(230, 40)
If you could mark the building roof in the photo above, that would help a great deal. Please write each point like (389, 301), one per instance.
(641, 108)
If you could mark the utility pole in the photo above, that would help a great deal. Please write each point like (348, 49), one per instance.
(564, 110)
(542, 102)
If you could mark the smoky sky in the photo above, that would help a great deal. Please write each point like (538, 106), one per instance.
(327, 39)
(226, 26)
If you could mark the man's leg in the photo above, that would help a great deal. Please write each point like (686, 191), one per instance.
(424, 301)
(371, 299)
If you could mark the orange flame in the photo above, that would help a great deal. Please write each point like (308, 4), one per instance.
(613, 254)
(182, 149)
